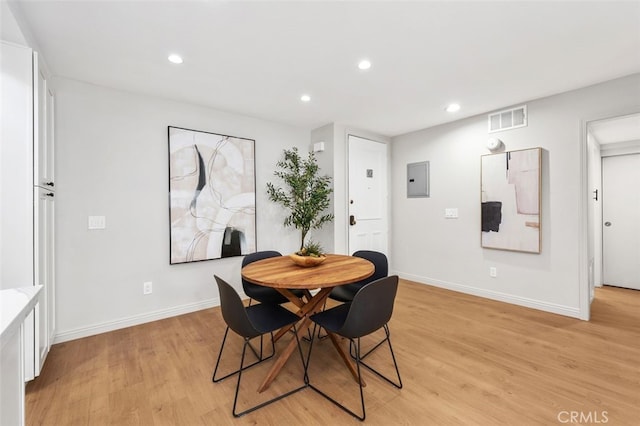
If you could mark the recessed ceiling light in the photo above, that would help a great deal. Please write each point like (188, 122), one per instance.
(364, 64)
(176, 59)
(452, 108)
(305, 98)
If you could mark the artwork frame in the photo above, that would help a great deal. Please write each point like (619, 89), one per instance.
(510, 191)
(212, 195)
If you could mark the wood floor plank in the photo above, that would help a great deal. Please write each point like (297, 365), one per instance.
(464, 360)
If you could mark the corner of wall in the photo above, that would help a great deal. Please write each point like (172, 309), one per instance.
(14, 27)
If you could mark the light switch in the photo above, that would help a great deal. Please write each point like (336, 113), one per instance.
(451, 213)
(97, 222)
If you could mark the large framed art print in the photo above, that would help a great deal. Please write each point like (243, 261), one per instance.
(510, 192)
(212, 199)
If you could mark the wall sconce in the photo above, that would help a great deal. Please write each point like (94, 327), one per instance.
(318, 147)
(494, 144)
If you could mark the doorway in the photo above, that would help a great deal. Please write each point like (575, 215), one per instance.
(368, 209)
(607, 139)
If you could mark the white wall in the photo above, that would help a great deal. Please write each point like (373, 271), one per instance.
(16, 166)
(325, 235)
(428, 248)
(112, 160)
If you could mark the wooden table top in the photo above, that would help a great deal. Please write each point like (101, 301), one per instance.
(281, 272)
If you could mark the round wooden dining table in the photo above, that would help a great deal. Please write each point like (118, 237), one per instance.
(283, 275)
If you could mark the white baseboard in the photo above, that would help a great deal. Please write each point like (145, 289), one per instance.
(568, 311)
(105, 327)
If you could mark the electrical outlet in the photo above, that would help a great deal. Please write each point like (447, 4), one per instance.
(493, 272)
(147, 287)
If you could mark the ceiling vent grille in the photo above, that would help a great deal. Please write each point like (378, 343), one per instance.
(508, 119)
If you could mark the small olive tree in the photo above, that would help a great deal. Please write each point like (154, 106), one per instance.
(305, 194)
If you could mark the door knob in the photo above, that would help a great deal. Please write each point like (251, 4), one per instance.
(352, 220)
(607, 224)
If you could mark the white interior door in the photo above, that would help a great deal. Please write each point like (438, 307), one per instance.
(621, 224)
(368, 213)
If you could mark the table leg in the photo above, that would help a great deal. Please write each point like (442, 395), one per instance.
(345, 357)
(305, 309)
(305, 312)
(296, 301)
(283, 357)
(281, 333)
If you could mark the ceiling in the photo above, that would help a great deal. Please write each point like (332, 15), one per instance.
(258, 58)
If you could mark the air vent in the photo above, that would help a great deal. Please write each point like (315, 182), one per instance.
(508, 119)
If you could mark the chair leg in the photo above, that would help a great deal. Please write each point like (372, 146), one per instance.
(306, 366)
(393, 357)
(324, 307)
(279, 397)
(320, 335)
(354, 348)
(235, 398)
(306, 376)
(386, 330)
(306, 338)
(215, 379)
(259, 356)
(358, 362)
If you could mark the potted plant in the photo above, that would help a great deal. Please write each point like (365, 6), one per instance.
(311, 254)
(305, 194)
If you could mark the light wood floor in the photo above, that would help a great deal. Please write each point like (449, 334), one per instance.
(464, 361)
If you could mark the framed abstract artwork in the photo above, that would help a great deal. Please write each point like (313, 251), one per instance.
(212, 197)
(510, 193)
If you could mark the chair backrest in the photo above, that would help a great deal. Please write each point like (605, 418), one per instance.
(253, 257)
(233, 311)
(371, 308)
(379, 261)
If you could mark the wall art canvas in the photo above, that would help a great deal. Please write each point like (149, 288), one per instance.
(510, 190)
(212, 198)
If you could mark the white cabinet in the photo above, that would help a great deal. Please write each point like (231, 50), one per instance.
(27, 194)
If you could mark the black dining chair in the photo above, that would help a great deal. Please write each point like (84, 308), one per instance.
(370, 310)
(346, 292)
(260, 293)
(251, 322)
